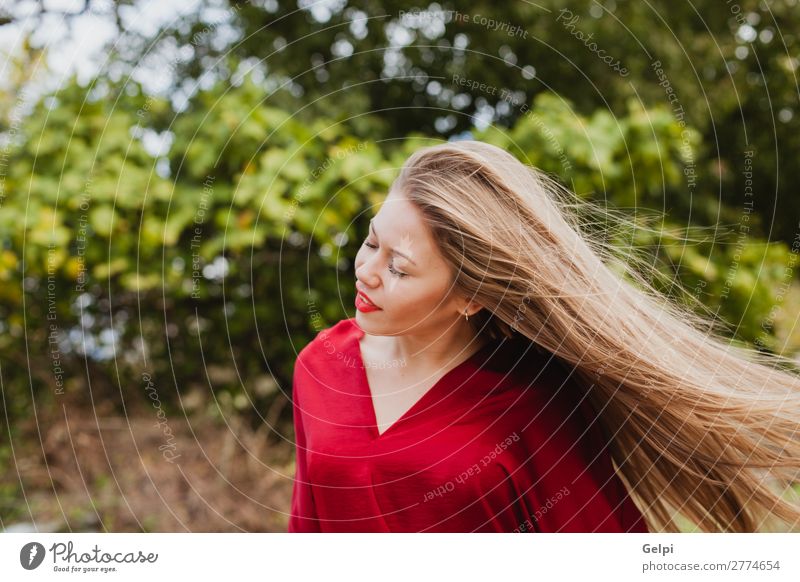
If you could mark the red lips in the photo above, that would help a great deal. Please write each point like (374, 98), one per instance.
(367, 297)
(364, 303)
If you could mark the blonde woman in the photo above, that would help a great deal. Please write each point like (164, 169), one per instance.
(499, 376)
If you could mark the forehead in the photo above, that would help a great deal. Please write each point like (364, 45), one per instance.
(400, 225)
(398, 216)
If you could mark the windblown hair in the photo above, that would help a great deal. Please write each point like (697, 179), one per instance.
(696, 426)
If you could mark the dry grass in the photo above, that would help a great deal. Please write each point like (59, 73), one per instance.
(108, 474)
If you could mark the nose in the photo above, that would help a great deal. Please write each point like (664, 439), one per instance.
(366, 272)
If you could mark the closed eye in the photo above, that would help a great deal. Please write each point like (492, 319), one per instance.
(392, 270)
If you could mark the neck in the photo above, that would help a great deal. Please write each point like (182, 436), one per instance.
(436, 348)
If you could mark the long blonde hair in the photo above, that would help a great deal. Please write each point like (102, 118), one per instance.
(696, 425)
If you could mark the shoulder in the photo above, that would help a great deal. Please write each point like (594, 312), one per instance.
(321, 358)
(334, 342)
(548, 393)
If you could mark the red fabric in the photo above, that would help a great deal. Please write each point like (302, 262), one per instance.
(499, 444)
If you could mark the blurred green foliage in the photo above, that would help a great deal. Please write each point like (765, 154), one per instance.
(729, 68)
(210, 264)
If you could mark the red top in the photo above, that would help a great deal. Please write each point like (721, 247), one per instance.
(498, 444)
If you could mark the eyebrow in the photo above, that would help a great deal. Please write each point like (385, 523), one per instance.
(396, 252)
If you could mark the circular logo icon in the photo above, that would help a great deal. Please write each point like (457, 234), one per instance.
(31, 555)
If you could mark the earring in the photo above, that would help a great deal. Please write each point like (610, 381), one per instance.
(467, 316)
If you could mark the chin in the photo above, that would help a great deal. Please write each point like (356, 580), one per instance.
(367, 322)
(364, 318)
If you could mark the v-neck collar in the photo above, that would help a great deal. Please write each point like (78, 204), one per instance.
(372, 427)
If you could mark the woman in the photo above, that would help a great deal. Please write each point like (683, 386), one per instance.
(499, 376)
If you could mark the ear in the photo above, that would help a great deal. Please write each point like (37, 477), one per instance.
(470, 308)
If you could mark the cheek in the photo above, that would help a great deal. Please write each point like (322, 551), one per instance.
(414, 295)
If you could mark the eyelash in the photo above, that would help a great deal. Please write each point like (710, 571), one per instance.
(392, 270)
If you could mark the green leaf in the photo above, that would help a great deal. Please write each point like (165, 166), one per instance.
(102, 219)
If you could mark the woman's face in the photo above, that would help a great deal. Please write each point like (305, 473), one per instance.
(401, 271)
